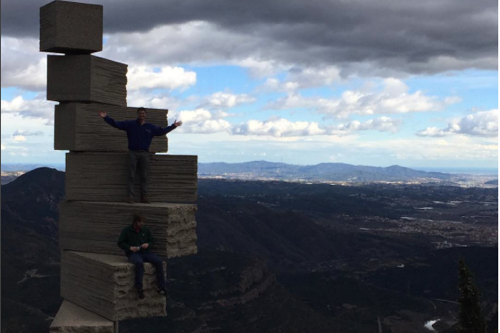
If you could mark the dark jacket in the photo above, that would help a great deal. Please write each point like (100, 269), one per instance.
(129, 237)
(139, 136)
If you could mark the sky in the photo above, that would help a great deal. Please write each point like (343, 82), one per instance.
(412, 83)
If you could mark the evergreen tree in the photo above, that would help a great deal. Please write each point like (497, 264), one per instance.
(470, 317)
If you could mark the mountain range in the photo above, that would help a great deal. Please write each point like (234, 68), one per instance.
(319, 172)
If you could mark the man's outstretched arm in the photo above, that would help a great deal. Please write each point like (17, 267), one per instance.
(162, 131)
(116, 124)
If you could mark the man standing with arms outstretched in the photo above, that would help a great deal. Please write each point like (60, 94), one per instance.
(139, 134)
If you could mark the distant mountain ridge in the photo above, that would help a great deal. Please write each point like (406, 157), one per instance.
(318, 172)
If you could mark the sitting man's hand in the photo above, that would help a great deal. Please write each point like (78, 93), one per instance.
(145, 245)
(177, 123)
(134, 249)
(102, 114)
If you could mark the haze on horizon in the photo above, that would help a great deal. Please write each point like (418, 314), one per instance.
(359, 82)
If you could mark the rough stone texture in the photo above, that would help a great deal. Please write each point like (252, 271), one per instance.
(78, 127)
(86, 78)
(173, 226)
(104, 177)
(74, 319)
(70, 27)
(104, 284)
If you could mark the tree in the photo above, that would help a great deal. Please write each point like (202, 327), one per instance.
(470, 318)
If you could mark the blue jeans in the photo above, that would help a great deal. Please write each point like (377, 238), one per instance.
(138, 259)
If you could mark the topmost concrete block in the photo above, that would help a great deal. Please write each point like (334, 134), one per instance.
(71, 27)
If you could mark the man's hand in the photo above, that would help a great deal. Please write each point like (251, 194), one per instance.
(177, 123)
(145, 245)
(102, 114)
(134, 249)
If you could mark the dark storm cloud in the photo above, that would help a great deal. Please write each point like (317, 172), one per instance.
(409, 36)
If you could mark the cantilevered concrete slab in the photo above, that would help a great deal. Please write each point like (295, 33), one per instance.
(96, 226)
(70, 27)
(104, 284)
(86, 78)
(104, 177)
(72, 318)
(78, 127)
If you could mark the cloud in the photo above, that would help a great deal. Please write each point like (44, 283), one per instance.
(483, 124)
(358, 36)
(35, 108)
(225, 100)
(22, 64)
(3, 147)
(27, 133)
(202, 121)
(166, 77)
(382, 124)
(393, 99)
(280, 127)
(19, 138)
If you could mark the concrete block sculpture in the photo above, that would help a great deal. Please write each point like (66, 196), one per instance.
(173, 226)
(97, 281)
(73, 318)
(86, 78)
(70, 27)
(78, 129)
(104, 284)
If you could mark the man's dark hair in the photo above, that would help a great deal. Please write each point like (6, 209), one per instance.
(141, 109)
(138, 218)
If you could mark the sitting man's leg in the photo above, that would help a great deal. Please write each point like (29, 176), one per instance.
(137, 260)
(158, 263)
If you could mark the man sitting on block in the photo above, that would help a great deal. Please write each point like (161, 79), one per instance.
(136, 239)
(139, 134)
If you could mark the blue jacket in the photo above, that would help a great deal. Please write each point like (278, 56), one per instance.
(139, 136)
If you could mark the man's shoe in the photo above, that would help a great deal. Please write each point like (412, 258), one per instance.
(130, 200)
(145, 199)
(162, 292)
(141, 293)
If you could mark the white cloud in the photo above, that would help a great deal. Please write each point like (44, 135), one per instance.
(27, 133)
(19, 138)
(393, 99)
(38, 108)
(382, 124)
(166, 77)
(3, 147)
(22, 64)
(225, 100)
(278, 128)
(202, 121)
(483, 124)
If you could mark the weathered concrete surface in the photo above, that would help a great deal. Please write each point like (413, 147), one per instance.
(104, 177)
(96, 226)
(78, 127)
(86, 78)
(72, 318)
(104, 284)
(70, 27)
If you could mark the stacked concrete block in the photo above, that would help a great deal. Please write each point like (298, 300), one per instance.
(97, 282)
(104, 284)
(79, 128)
(86, 78)
(173, 226)
(103, 177)
(72, 318)
(70, 27)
